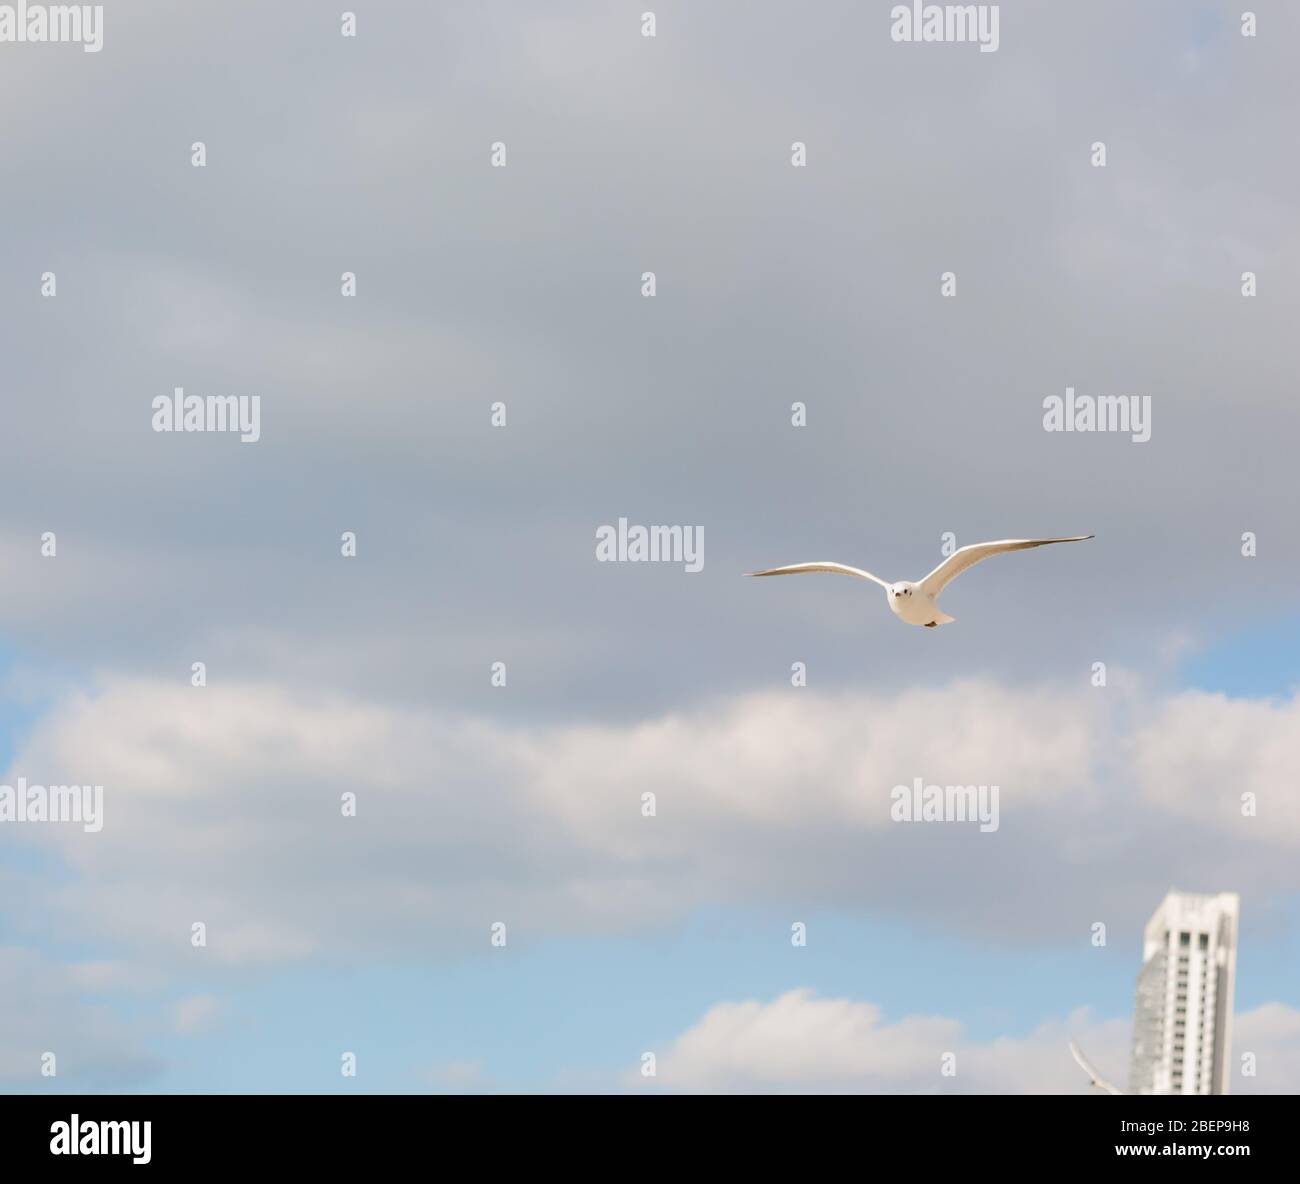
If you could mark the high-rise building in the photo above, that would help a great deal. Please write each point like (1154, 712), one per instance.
(1182, 1021)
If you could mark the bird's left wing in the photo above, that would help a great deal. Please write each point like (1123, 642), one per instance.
(1093, 1078)
(842, 569)
(965, 557)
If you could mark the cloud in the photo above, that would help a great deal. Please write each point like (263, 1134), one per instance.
(457, 1077)
(801, 1042)
(196, 1014)
(47, 1011)
(1201, 754)
(224, 805)
(1270, 1034)
(919, 163)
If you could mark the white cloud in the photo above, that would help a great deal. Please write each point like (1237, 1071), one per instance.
(1271, 1034)
(457, 1077)
(800, 1042)
(196, 1014)
(1199, 753)
(222, 805)
(46, 1012)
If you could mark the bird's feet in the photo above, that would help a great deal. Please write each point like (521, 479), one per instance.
(931, 624)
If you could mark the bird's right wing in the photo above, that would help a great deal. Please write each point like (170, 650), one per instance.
(965, 557)
(1093, 1078)
(842, 569)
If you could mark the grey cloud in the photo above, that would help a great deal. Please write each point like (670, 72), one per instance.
(521, 284)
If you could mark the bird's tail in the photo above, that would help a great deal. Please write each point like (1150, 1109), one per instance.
(941, 618)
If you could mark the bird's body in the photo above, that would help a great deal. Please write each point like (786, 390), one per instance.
(917, 602)
(911, 604)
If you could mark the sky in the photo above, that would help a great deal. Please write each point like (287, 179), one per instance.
(522, 805)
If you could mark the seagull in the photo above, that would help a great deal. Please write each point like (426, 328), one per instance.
(916, 602)
(1093, 1079)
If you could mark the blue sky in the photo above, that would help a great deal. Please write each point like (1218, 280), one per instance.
(577, 1013)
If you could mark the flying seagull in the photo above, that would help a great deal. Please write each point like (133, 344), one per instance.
(1093, 1079)
(916, 603)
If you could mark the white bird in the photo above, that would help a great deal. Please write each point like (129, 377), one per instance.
(916, 602)
(1093, 1078)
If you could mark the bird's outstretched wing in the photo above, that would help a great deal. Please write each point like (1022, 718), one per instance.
(822, 565)
(965, 557)
(1093, 1078)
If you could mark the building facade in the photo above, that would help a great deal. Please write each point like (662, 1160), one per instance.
(1182, 1020)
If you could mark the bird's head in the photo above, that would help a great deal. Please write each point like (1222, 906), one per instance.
(900, 591)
